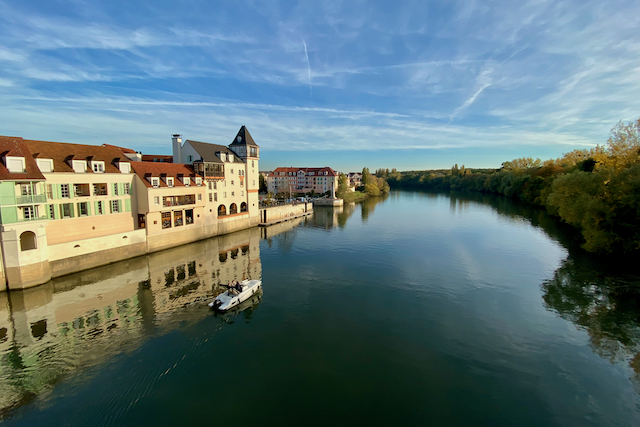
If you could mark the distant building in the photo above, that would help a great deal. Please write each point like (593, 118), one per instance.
(354, 179)
(302, 180)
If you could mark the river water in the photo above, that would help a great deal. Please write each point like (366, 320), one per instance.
(415, 309)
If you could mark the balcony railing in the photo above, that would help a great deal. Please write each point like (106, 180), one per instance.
(35, 218)
(178, 200)
(29, 200)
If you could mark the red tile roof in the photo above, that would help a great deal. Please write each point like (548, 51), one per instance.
(15, 146)
(62, 152)
(157, 158)
(158, 169)
(316, 171)
(124, 150)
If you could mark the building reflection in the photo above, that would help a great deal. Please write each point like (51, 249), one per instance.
(81, 319)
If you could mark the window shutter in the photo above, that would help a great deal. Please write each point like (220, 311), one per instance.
(127, 205)
(88, 209)
(71, 209)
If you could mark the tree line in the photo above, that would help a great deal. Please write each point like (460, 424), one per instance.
(596, 190)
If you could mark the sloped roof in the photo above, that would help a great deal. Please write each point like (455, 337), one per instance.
(15, 146)
(245, 138)
(61, 152)
(208, 151)
(124, 150)
(161, 169)
(157, 158)
(316, 171)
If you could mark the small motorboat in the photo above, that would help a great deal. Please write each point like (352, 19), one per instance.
(234, 296)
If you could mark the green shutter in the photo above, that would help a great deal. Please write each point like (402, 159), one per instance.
(120, 188)
(127, 205)
(9, 214)
(89, 209)
(72, 209)
(71, 191)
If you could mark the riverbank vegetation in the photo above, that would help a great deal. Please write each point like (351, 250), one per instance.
(596, 190)
(371, 186)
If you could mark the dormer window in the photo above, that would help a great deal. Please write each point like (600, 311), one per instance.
(231, 157)
(125, 167)
(186, 181)
(15, 164)
(155, 182)
(97, 167)
(45, 165)
(223, 157)
(79, 166)
(198, 180)
(311, 173)
(170, 182)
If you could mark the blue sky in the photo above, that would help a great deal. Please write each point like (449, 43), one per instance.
(347, 84)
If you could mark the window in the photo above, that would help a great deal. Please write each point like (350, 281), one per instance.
(233, 193)
(210, 186)
(115, 206)
(82, 209)
(127, 188)
(79, 166)
(241, 183)
(233, 209)
(15, 164)
(211, 197)
(98, 167)
(231, 158)
(115, 189)
(166, 219)
(28, 241)
(155, 182)
(222, 210)
(242, 194)
(170, 182)
(64, 191)
(28, 212)
(243, 207)
(231, 171)
(49, 191)
(125, 167)
(66, 210)
(231, 182)
(52, 211)
(215, 197)
(26, 189)
(254, 182)
(81, 190)
(190, 159)
(177, 218)
(188, 216)
(99, 208)
(224, 195)
(199, 197)
(100, 189)
(186, 181)
(198, 180)
(215, 185)
(252, 155)
(45, 165)
(156, 200)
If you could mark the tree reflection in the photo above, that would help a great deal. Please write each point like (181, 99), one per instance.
(605, 303)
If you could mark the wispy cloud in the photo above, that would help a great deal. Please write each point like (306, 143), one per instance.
(306, 54)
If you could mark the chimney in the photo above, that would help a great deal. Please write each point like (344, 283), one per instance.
(176, 143)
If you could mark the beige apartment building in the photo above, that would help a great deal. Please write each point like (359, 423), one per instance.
(295, 181)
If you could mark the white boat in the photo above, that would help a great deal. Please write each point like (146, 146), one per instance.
(229, 299)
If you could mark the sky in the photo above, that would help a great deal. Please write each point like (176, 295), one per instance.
(411, 85)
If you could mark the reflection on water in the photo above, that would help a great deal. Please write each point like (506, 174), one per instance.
(596, 297)
(80, 320)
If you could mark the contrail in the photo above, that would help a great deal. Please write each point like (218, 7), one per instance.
(306, 54)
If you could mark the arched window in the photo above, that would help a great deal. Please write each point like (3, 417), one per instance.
(233, 209)
(243, 207)
(28, 241)
(222, 210)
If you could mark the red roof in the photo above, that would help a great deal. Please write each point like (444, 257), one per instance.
(157, 158)
(124, 150)
(316, 171)
(62, 152)
(146, 170)
(15, 146)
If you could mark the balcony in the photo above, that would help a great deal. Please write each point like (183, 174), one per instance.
(30, 200)
(34, 218)
(178, 200)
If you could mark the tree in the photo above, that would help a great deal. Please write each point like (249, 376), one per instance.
(343, 185)
(263, 184)
(366, 177)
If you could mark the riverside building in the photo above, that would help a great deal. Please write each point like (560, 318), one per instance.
(293, 181)
(69, 207)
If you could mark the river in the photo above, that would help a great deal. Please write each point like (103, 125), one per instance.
(413, 309)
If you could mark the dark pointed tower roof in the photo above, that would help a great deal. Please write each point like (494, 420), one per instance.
(243, 138)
